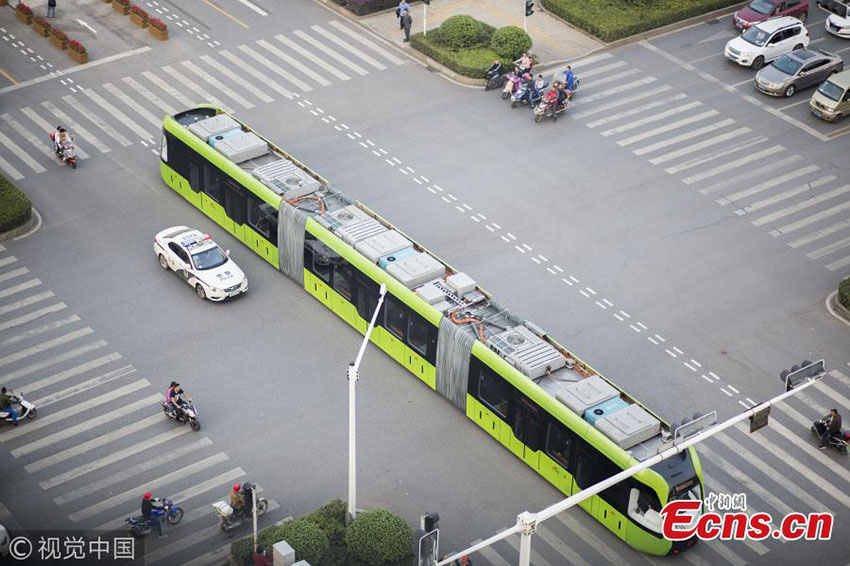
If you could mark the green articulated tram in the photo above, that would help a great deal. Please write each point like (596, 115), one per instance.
(552, 410)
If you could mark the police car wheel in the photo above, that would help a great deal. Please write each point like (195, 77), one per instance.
(200, 291)
(163, 263)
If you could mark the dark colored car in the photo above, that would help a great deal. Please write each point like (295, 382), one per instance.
(797, 70)
(760, 10)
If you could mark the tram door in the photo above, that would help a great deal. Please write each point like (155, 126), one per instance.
(528, 429)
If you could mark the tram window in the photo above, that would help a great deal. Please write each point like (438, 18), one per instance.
(644, 506)
(559, 443)
(234, 200)
(212, 182)
(256, 218)
(270, 217)
(322, 266)
(195, 173)
(308, 250)
(395, 317)
(178, 155)
(419, 333)
(493, 391)
(163, 147)
(367, 298)
(344, 280)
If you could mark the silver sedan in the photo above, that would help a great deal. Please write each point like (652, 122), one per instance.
(797, 70)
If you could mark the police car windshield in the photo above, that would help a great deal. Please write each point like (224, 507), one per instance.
(209, 258)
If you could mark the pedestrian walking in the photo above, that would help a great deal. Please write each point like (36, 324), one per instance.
(406, 22)
(399, 13)
(51, 8)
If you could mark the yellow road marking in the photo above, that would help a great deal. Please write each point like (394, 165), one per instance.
(221, 10)
(9, 77)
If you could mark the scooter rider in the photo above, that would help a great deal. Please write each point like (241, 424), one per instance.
(495, 70)
(149, 505)
(237, 500)
(562, 93)
(833, 426)
(6, 405)
(569, 77)
(174, 397)
(60, 136)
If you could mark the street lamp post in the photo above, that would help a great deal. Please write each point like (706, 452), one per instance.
(353, 369)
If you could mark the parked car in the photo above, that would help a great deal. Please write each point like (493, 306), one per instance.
(831, 101)
(767, 41)
(760, 10)
(838, 21)
(797, 70)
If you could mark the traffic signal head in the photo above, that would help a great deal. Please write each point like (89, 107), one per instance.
(529, 7)
(426, 2)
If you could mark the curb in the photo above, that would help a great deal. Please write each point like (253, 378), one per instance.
(836, 309)
(23, 228)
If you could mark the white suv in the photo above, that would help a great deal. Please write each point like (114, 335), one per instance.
(767, 41)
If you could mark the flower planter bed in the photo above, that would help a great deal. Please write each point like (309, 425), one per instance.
(121, 7)
(58, 38)
(41, 26)
(158, 29)
(77, 52)
(23, 13)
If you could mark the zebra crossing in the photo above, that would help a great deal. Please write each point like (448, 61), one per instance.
(121, 113)
(766, 183)
(100, 439)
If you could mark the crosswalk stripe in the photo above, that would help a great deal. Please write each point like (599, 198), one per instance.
(127, 473)
(621, 102)
(692, 148)
(44, 346)
(117, 114)
(809, 219)
(260, 76)
(838, 264)
(31, 316)
(157, 483)
(653, 118)
(78, 370)
(363, 41)
(728, 166)
(822, 233)
(77, 388)
(276, 68)
(214, 557)
(4, 261)
(591, 59)
(491, 555)
(31, 300)
(617, 90)
(293, 62)
(42, 364)
(616, 77)
(695, 559)
(316, 60)
(206, 97)
(10, 169)
(42, 145)
(559, 546)
(594, 541)
(601, 70)
(168, 89)
(536, 559)
(835, 396)
(14, 273)
(237, 79)
(47, 127)
(738, 147)
(668, 127)
(683, 137)
(755, 545)
(331, 53)
(241, 100)
(348, 47)
(89, 445)
(829, 250)
(769, 184)
(41, 329)
(770, 201)
(636, 110)
(728, 555)
(746, 481)
(45, 421)
(758, 172)
(21, 154)
(75, 127)
(148, 95)
(806, 498)
(129, 102)
(8, 520)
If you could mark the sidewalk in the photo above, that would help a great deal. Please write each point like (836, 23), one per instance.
(553, 40)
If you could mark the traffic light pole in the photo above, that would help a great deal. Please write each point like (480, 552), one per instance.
(527, 522)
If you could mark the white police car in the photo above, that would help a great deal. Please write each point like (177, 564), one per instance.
(200, 262)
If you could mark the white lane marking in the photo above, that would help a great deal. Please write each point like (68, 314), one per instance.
(671, 352)
(728, 393)
(96, 120)
(148, 95)
(276, 68)
(764, 203)
(667, 127)
(29, 317)
(81, 369)
(696, 363)
(118, 94)
(829, 249)
(839, 470)
(595, 542)
(25, 302)
(75, 127)
(331, 53)
(21, 154)
(652, 118)
(589, 60)
(536, 559)
(728, 166)
(678, 350)
(717, 487)
(241, 100)
(44, 346)
(254, 7)
(316, 60)
(636, 110)
(10, 169)
(195, 87)
(117, 114)
(735, 180)
(635, 328)
(598, 70)
(735, 148)
(621, 102)
(808, 203)
(237, 79)
(4, 261)
(617, 90)
(660, 338)
(293, 62)
(157, 483)
(168, 89)
(491, 556)
(38, 143)
(244, 66)
(363, 41)
(838, 264)
(683, 137)
(755, 189)
(348, 47)
(692, 148)
(705, 377)
(41, 329)
(624, 313)
(616, 77)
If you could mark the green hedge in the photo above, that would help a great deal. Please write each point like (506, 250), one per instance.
(510, 42)
(15, 207)
(844, 292)
(461, 31)
(470, 62)
(610, 20)
(363, 7)
(379, 536)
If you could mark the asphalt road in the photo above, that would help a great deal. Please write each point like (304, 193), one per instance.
(592, 227)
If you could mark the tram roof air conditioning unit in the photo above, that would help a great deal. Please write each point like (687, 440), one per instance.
(629, 427)
(287, 179)
(352, 224)
(242, 148)
(213, 126)
(527, 352)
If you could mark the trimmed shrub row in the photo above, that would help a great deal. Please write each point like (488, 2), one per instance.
(844, 293)
(470, 62)
(363, 7)
(15, 207)
(610, 20)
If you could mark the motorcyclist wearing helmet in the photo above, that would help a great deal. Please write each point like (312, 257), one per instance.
(152, 509)
(237, 500)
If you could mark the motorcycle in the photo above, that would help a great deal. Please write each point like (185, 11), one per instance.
(183, 412)
(24, 408)
(138, 526)
(549, 107)
(228, 519)
(528, 94)
(65, 151)
(496, 80)
(512, 84)
(839, 441)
